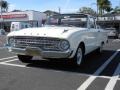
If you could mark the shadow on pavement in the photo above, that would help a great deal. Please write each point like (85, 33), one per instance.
(91, 63)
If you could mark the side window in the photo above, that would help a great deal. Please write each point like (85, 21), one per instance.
(92, 23)
(26, 26)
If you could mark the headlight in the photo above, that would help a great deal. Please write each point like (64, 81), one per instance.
(64, 45)
(11, 42)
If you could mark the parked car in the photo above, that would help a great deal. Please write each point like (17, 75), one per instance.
(119, 36)
(2, 37)
(15, 26)
(70, 36)
(2, 32)
(112, 32)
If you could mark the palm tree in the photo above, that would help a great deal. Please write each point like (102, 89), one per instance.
(107, 6)
(4, 6)
(104, 5)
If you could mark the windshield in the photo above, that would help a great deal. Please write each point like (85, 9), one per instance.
(77, 20)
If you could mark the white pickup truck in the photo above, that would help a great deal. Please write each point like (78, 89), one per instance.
(70, 36)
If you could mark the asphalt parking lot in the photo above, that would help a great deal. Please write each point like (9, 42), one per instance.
(97, 72)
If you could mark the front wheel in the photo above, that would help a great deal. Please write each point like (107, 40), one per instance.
(100, 49)
(78, 56)
(25, 58)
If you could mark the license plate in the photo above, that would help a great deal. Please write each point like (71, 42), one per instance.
(32, 52)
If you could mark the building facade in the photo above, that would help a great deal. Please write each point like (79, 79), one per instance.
(34, 18)
(110, 21)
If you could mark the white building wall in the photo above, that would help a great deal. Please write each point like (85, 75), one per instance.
(30, 15)
(117, 17)
(39, 16)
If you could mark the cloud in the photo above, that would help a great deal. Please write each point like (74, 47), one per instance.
(12, 7)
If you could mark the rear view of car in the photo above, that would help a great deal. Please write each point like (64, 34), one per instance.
(112, 32)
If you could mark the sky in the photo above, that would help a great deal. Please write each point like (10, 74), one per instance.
(65, 5)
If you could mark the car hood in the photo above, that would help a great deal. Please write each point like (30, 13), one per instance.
(60, 32)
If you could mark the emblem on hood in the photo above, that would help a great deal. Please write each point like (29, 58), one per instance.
(44, 34)
(65, 30)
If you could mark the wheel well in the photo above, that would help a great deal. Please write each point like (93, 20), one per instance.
(83, 46)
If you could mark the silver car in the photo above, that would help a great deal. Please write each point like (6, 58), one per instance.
(112, 32)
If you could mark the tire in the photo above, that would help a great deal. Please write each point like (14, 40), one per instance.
(25, 58)
(78, 58)
(100, 49)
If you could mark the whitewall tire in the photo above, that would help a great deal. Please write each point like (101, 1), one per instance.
(78, 56)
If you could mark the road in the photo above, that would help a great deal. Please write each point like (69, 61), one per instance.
(97, 72)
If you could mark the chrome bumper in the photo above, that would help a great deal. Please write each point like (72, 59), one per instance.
(38, 52)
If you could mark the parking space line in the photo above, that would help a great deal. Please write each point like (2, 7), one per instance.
(15, 65)
(9, 61)
(85, 85)
(8, 58)
(116, 40)
(111, 84)
(105, 77)
(3, 47)
(9, 64)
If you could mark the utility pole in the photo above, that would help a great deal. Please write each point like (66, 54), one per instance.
(59, 9)
(97, 12)
(1, 18)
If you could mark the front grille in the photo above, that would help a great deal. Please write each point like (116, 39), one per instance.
(41, 42)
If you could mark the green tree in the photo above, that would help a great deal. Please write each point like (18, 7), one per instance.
(107, 6)
(104, 5)
(4, 5)
(116, 9)
(87, 10)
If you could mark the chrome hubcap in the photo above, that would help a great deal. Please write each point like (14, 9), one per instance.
(101, 47)
(79, 56)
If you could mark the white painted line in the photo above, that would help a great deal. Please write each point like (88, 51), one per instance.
(111, 84)
(8, 58)
(85, 85)
(116, 40)
(15, 65)
(3, 48)
(105, 77)
(9, 64)
(9, 61)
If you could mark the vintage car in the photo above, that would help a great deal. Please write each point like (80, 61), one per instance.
(64, 36)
